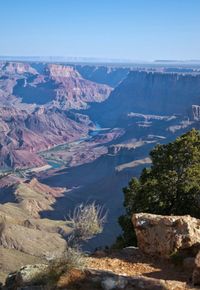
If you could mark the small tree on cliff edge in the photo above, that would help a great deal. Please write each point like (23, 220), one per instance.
(170, 187)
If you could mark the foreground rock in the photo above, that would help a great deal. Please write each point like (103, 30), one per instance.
(109, 281)
(163, 235)
(30, 278)
(30, 275)
(122, 269)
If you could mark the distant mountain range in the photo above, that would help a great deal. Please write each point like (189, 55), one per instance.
(97, 60)
(67, 59)
(188, 61)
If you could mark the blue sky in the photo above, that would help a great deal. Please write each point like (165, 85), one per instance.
(123, 29)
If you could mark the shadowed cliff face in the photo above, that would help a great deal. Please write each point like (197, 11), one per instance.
(149, 93)
(111, 76)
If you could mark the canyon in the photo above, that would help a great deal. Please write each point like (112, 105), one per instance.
(73, 133)
(36, 111)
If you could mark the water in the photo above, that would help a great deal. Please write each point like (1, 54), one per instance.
(91, 134)
(54, 164)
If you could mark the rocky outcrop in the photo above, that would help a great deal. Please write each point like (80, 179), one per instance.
(16, 68)
(164, 235)
(73, 91)
(61, 71)
(27, 277)
(177, 237)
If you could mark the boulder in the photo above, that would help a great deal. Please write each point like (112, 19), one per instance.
(111, 281)
(28, 277)
(164, 235)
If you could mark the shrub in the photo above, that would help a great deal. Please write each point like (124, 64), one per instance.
(86, 221)
(171, 186)
(73, 258)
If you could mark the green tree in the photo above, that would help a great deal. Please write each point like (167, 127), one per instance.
(171, 186)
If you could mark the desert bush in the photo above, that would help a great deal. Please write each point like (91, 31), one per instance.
(86, 222)
(72, 258)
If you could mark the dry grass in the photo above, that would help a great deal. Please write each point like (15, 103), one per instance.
(86, 221)
(71, 260)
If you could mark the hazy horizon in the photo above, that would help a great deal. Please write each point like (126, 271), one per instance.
(91, 59)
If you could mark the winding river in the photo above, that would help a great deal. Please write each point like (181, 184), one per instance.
(53, 163)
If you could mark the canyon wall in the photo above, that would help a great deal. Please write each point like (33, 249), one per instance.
(149, 93)
(109, 75)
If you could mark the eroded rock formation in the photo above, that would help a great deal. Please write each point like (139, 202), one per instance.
(22, 230)
(165, 235)
(73, 91)
(23, 134)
